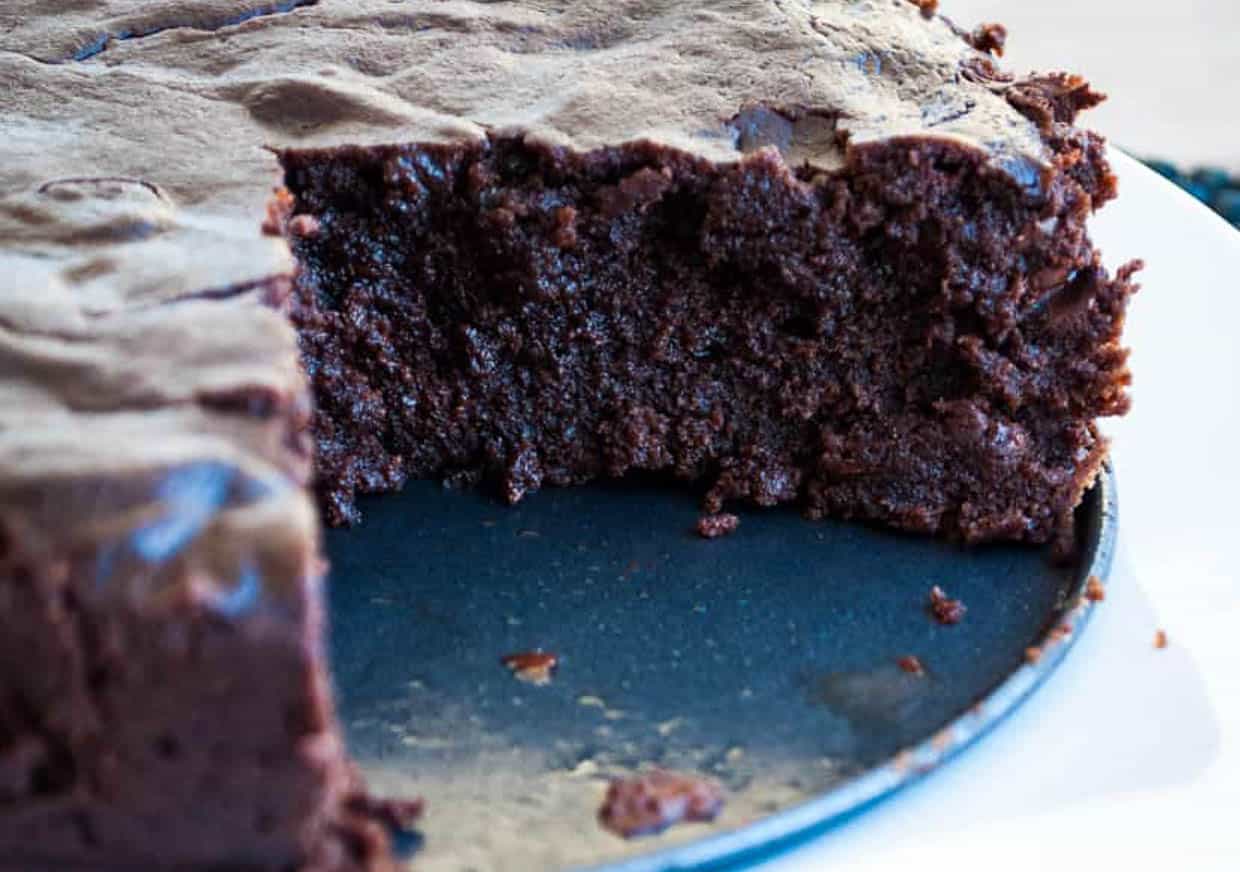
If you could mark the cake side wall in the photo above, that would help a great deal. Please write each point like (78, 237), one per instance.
(916, 339)
(156, 706)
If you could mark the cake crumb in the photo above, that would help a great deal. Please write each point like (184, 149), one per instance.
(1033, 654)
(946, 611)
(306, 226)
(532, 667)
(647, 804)
(912, 665)
(927, 7)
(1160, 639)
(565, 233)
(1095, 591)
(988, 38)
(279, 208)
(715, 526)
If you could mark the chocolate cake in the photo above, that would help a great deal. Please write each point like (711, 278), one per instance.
(822, 253)
(816, 252)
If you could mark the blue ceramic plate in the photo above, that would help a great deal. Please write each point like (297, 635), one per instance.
(768, 659)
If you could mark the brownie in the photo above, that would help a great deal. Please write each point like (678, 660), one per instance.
(824, 253)
(836, 266)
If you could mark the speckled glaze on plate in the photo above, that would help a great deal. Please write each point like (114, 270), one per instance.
(767, 659)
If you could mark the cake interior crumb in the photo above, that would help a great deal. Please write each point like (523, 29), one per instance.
(946, 611)
(532, 667)
(912, 665)
(1095, 591)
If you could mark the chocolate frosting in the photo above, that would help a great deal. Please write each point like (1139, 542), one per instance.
(184, 94)
(135, 430)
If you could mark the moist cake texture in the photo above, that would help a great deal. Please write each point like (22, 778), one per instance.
(814, 252)
(824, 253)
(912, 339)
